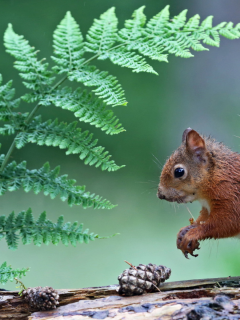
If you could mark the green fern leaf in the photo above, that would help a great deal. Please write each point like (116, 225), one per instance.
(7, 104)
(133, 37)
(47, 238)
(42, 230)
(135, 25)
(102, 34)
(229, 31)
(34, 72)
(101, 38)
(108, 87)
(15, 176)
(207, 23)
(122, 57)
(6, 100)
(163, 35)
(8, 274)
(11, 236)
(68, 44)
(16, 122)
(208, 34)
(85, 107)
(7, 129)
(179, 21)
(156, 25)
(192, 24)
(67, 136)
(21, 139)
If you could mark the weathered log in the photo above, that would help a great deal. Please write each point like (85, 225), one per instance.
(177, 300)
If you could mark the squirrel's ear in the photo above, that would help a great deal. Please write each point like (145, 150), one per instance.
(185, 132)
(196, 145)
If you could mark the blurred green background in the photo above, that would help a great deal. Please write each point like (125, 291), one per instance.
(202, 92)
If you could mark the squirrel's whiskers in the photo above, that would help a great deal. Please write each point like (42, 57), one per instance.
(189, 211)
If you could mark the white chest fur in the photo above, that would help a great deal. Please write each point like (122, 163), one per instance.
(205, 204)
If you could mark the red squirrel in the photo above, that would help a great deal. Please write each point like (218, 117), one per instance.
(205, 170)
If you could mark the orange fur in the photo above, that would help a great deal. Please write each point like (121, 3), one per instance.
(213, 178)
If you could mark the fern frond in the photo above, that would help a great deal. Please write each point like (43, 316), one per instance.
(67, 136)
(7, 129)
(108, 87)
(16, 117)
(122, 57)
(42, 231)
(6, 100)
(16, 122)
(201, 32)
(68, 44)
(35, 73)
(7, 273)
(85, 107)
(132, 37)
(7, 105)
(134, 26)
(103, 33)
(228, 31)
(163, 35)
(102, 36)
(211, 35)
(16, 176)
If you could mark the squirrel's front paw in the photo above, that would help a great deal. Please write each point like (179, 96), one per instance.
(186, 243)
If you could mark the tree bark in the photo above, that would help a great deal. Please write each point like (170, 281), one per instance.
(192, 299)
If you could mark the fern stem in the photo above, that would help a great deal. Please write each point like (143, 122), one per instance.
(21, 284)
(58, 83)
(99, 53)
(90, 59)
(32, 113)
(35, 109)
(10, 151)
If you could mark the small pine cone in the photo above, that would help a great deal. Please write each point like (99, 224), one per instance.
(40, 298)
(145, 279)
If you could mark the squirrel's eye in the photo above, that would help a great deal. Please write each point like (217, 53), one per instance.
(179, 172)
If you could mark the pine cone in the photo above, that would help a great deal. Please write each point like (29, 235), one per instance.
(145, 279)
(41, 298)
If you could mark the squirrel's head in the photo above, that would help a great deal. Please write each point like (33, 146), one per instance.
(185, 171)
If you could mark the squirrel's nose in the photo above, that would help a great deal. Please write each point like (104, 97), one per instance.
(160, 195)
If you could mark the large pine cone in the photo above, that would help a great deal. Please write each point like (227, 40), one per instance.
(145, 279)
(40, 298)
